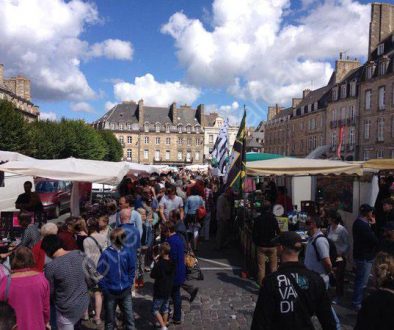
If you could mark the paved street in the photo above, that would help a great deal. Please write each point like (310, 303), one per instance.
(225, 300)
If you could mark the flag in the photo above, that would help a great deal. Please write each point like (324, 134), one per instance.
(220, 149)
(341, 133)
(236, 168)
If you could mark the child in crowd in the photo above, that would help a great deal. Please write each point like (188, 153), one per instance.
(163, 272)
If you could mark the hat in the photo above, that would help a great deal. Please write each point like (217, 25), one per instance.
(288, 239)
(365, 208)
(389, 226)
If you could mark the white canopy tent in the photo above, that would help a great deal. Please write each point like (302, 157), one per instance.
(76, 170)
(140, 169)
(7, 156)
(197, 167)
(70, 169)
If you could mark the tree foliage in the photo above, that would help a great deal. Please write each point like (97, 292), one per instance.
(55, 140)
(113, 146)
(15, 134)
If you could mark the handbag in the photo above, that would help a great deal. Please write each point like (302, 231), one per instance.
(201, 212)
(190, 260)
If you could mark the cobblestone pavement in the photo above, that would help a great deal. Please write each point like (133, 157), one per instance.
(225, 300)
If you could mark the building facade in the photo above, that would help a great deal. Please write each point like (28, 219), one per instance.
(17, 91)
(213, 123)
(352, 117)
(342, 124)
(376, 94)
(157, 135)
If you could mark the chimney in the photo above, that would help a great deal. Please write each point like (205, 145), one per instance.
(140, 111)
(200, 114)
(343, 67)
(381, 25)
(1, 74)
(305, 92)
(173, 113)
(295, 102)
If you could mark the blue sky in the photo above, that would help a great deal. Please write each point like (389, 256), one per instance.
(82, 57)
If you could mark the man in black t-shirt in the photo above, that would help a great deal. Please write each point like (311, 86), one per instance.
(29, 201)
(265, 228)
(293, 296)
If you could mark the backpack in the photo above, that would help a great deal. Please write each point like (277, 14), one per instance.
(332, 249)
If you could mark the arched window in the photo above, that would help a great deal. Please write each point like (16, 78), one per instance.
(180, 128)
(168, 128)
(146, 127)
(157, 127)
(188, 129)
(197, 128)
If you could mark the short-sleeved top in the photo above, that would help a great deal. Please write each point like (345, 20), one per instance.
(68, 286)
(170, 204)
(31, 236)
(25, 198)
(312, 261)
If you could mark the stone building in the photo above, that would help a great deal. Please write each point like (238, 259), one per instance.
(255, 138)
(342, 124)
(277, 132)
(213, 123)
(17, 90)
(157, 135)
(377, 87)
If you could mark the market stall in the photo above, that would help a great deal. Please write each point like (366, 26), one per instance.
(301, 172)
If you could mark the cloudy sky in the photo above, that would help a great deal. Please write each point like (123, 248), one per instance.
(83, 57)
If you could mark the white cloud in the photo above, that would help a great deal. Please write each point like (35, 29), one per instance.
(112, 48)
(48, 116)
(155, 93)
(230, 111)
(109, 105)
(82, 107)
(256, 54)
(42, 40)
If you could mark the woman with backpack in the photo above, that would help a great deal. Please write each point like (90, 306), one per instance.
(93, 246)
(338, 234)
(192, 221)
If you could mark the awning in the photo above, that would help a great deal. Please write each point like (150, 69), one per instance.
(301, 166)
(7, 156)
(254, 156)
(70, 169)
(379, 164)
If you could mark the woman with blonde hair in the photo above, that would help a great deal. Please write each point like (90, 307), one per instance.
(377, 309)
(39, 254)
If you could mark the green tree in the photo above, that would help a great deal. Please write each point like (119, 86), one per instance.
(15, 133)
(114, 148)
(68, 138)
(82, 140)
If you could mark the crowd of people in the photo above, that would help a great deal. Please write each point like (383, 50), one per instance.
(90, 266)
(295, 295)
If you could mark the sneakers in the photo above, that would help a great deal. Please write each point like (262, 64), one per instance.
(193, 295)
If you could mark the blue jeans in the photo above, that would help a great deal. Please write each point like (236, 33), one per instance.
(363, 269)
(176, 299)
(122, 299)
(160, 305)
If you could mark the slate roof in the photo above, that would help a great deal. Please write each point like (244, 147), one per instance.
(128, 112)
(284, 113)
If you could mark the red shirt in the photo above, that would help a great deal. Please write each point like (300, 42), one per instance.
(68, 241)
(39, 256)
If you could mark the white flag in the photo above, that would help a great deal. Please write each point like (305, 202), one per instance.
(220, 149)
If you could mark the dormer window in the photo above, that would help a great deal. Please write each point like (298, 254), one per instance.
(120, 127)
(353, 88)
(335, 93)
(316, 106)
(370, 70)
(383, 67)
(197, 128)
(380, 49)
(343, 91)
(309, 107)
(179, 128)
(157, 128)
(168, 127)
(188, 129)
(146, 127)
